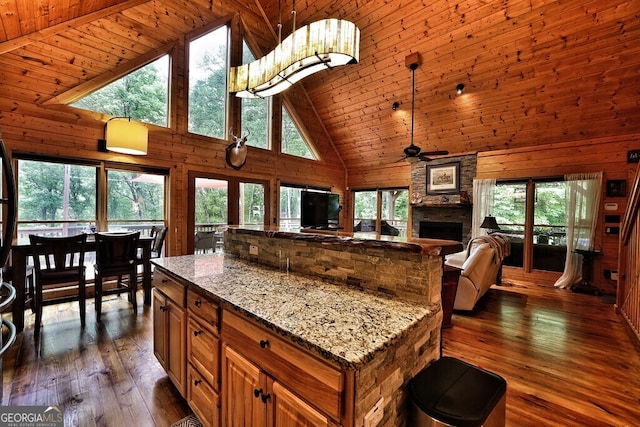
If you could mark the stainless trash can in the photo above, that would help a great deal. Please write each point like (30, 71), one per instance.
(450, 392)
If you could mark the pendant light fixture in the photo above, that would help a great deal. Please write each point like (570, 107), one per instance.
(318, 46)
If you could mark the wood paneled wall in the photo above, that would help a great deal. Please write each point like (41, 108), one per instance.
(63, 131)
(608, 155)
(628, 298)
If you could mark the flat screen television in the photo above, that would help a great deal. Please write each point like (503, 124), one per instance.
(319, 210)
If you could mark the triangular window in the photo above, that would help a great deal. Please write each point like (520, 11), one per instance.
(293, 142)
(142, 95)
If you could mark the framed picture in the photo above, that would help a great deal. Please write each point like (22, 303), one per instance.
(443, 179)
(616, 188)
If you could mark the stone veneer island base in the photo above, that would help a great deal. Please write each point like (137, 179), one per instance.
(330, 326)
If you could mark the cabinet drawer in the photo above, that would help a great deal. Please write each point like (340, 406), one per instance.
(204, 308)
(317, 382)
(203, 399)
(203, 351)
(170, 287)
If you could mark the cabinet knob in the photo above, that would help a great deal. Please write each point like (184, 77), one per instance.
(264, 343)
(198, 303)
(257, 392)
(196, 333)
(265, 397)
(197, 382)
(163, 308)
(164, 280)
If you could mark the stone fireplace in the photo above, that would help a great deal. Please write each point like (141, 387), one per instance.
(441, 230)
(443, 215)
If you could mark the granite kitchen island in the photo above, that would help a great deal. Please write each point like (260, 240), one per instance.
(264, 342)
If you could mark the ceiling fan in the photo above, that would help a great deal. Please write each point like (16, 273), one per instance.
(413, 153)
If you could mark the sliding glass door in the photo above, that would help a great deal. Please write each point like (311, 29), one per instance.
(533, 214)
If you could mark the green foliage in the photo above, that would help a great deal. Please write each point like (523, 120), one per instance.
(255, 112)
(141, 95)
(129, 199)
(292, 141)
(253, 203)
(208, 84)
(210, 203)
(41, 193)
(41, 190)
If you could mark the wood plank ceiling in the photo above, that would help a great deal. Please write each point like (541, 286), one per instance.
(535, 71)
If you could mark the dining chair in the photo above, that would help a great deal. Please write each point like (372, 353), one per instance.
(116, 258)
(158, 233)
(58, 261)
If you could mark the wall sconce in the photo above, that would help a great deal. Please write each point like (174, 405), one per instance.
(121, 135)
(395, 106)
(459, 89)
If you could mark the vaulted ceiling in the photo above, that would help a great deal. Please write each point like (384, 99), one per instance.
(535, 71)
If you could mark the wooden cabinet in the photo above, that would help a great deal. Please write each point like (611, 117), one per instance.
(169, 319)
(299, 389)
(253, 398)
(203, 354)
(290, 410)
(243, 387)
(202, 398)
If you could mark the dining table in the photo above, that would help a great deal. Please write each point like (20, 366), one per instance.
(21, 251)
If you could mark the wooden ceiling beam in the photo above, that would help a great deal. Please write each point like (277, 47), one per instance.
(40, 35)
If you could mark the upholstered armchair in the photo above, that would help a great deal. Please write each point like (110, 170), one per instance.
(481, 266)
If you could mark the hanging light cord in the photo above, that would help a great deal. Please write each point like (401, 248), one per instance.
(293, 13)
(279, 21)
(413, 96)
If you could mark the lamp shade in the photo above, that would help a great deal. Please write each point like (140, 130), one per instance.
(127, 137)
(490, 223)
(318, 46)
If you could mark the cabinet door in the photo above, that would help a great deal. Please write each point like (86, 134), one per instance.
(243, 386)
(203, 399)
(290, 411)
(160, 328)
(176, 345)
(203, 350)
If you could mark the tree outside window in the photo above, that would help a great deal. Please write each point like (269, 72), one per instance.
(142, 95)
(208, 71)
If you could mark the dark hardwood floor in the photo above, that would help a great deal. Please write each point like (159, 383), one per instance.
(567, 358)
(104, 375)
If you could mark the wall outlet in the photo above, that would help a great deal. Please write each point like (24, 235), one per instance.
(374, 416)
(253, 250)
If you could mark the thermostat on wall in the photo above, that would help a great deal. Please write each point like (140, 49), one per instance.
(610, 206)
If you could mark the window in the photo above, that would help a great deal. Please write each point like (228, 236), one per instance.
(547, 241)
(208, 69)
(255, 112)
(510, 212)
(56, 199)
(135, 200)
(210, 203)
(252, 205)
(289, 207)
(142, 95)
(389, 219)
(63, 199)
(292, 141)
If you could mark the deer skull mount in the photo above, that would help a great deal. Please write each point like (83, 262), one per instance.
(236, 152)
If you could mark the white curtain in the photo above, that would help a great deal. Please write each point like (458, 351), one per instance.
(582, 201)
(484, 191)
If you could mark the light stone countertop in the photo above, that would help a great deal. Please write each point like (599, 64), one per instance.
(340, 323)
